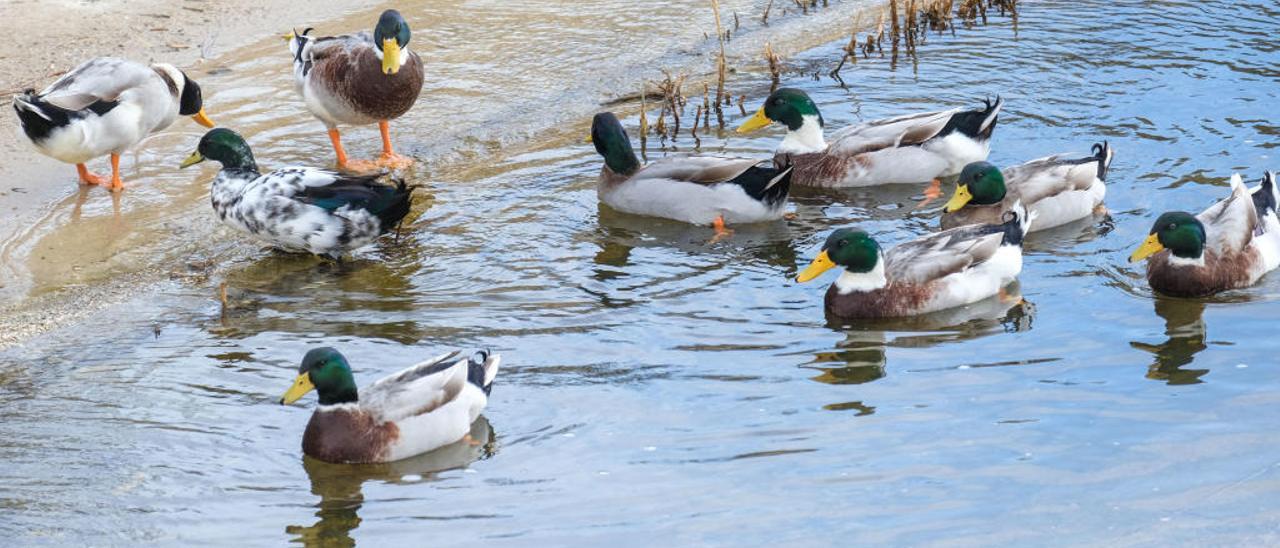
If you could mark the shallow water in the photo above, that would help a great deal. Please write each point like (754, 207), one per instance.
(656, 384)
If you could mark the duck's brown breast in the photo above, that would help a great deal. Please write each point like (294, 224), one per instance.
(1219, 273)
(361, 82)
(893, 301)
(348, 436)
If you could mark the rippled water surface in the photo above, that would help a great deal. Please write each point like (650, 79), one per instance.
(654, 384)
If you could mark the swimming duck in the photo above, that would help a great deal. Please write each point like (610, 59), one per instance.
(302, 209)
(942, 270)
(359, 79)
(701, 190)
(422, 408)
(106, 106)
(1056, 189)
(1230, 245)
(914, 148)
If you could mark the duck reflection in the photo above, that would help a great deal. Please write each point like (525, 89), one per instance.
(860, 357)
(300, 293)
(1185, 327)
(340, 486)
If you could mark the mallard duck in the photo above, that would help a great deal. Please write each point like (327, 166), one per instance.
(359, 79)
(914, 148)
(106, 106)
(701, 190)
(1230, 245)
(1056, 189)
(425, 407)
(302, 209)
(942, 270)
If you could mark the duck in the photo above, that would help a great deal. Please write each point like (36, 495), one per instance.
(694, 189)
(1230, 245)
(299, 209)
(359, 79)
(419, 409)
(105, 106)
(1057, 189)
(936, 272)
(912, 148)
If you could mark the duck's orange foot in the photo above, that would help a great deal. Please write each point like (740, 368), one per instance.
(394, 161)
(932, 193)
(91, 178)
(721, 231)
(791, 216)
(1100, 210)
(359, 166)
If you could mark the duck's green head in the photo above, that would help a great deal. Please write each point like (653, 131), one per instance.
(612, 142)
(850, 248)
(1179, 232)
(980, 183)
(390, 36)
(787, 106)
(224, 146)
(324, 370)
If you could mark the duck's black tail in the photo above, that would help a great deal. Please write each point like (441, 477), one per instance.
(769, 184)
(1265, 197)
(482, 368)
(393, 205)
(976, 124)
(1103, 152)
(1017, 222)
(36, 122)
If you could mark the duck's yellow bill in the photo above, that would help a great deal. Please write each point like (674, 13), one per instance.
(301, 386)
(203, 119)
(959, 199)
(1149, 247)
(192, 160)
(289, 36)
(756, 122)
(390, 56)
(820, 264)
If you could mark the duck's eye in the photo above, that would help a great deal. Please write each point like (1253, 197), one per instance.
(1172, 226)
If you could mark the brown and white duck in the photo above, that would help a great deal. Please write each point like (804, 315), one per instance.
(1056, 189)
(359, 79)
(419, 409)
(943, 270)
(1230, 245)
(914, 148)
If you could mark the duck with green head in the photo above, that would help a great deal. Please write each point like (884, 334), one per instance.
(359, 79)
(944, 270)
(1230, 245)
(697, 189)
(1056, 189)
(914, 148)
(424, 407)
(299, 209)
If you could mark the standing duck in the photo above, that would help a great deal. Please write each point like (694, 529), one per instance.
(106, 106)
(300, 209)
(914, 148)
(1230, 245)
(359, 79)
(942, 270)
(701, 190)
(1056, 190)
(422, 408)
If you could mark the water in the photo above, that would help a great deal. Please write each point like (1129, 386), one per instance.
(654, 384)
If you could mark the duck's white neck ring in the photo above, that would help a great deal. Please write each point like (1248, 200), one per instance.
(808, 138)
(848, 282)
